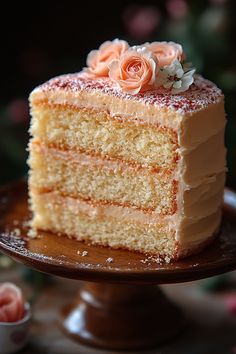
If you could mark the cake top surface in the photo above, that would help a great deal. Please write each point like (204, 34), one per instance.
(156, 74)
(199, 95)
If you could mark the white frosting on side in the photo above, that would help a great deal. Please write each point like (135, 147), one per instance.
(201, 172)
(204, 161)
(205, 199)
(199, 231)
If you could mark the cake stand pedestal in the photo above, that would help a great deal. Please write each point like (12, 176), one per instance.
(119, 305)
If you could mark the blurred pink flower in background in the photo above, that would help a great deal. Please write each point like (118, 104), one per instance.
(177, 8)
(12, 307)
(141, 21)
(230, 302)
(18, 110)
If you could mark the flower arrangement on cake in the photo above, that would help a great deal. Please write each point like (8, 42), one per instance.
(141, 68)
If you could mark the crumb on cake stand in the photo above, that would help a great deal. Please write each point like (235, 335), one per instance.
(124, 282)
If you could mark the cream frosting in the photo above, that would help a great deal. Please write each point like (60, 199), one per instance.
(197, 116)
(198, 202)
(93, 160)
(201, 163)
(199, 96)
(192, 234)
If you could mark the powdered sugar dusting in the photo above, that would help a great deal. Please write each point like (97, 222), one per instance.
(18, 245)
(200, 94)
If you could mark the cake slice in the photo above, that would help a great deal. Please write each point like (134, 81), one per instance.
(138, 166)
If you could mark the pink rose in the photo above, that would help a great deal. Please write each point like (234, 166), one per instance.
(98, 60)
(135, 71)
(11, 303)
(165, 52)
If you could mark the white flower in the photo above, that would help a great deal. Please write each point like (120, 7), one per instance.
(176, 77)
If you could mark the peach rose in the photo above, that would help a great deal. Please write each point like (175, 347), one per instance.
(165, 52)
(11, 303)
(98, 60)
(135, 71)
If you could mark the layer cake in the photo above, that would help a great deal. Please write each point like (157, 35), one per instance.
(126, 167)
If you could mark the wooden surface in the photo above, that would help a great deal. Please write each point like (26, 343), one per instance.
(210, 328)
(112, 315)
(121, 316)
(62, 256)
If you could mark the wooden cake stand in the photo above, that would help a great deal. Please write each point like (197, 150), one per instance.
(119, 305)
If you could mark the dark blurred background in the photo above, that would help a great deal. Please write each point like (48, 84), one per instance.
(43, 39)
